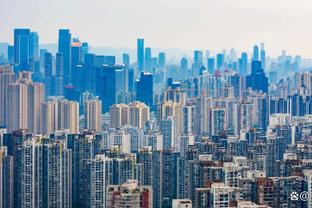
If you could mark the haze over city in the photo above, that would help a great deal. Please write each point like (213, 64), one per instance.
(200, 24)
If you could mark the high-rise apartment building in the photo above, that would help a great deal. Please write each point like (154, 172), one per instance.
(129, 194)
(185, 140)
(92, 114)
(6, 179)
(218, 121)
(221, 195)
(134, 114)
(168, 131)
(181, 203)
(24, 104)
(60, 114)
(119, 115)
(81, 146)
(139, 114)
(46, 178)
(145, 159)
(7, 77)
(99, 180)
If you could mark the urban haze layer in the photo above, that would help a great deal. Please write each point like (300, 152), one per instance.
(80, 130)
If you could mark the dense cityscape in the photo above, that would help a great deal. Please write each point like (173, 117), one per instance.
(225, 129)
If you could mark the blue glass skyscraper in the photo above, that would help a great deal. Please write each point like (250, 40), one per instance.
(256, 67)
(140, 54)
(256, 53)
(297, 105)
(106, 85)
(235, 82)
(144, 89)
(126, 59)
(220, 61)
(198, 63)
(11, 54)
(59, 74)
(262, 56)
(243, 64)
(183, 68)
(22, 48)
(33, 50)
(90, 72)
(162, 59)
(75, 60)
(106, 60)
(211, 65)
(41, 56)
(84, 50)
(198, 57)
(48, 74)
(121, 81)
(148, 60)
(64, 47)
(131, 86)
(257, 80)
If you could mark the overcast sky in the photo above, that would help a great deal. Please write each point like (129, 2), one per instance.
(185, 24)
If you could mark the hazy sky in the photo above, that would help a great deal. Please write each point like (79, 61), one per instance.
(185, 24)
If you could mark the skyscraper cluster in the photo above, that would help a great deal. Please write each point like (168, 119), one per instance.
(224, 129)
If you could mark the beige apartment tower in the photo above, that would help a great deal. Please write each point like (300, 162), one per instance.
(7, 77)
(92, 114)
(134, 114)
(24, 104)
(139, 114)
(60, 114)
(118, 115)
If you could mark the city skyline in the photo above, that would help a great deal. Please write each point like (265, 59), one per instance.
(190, 104)
(194, 25)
